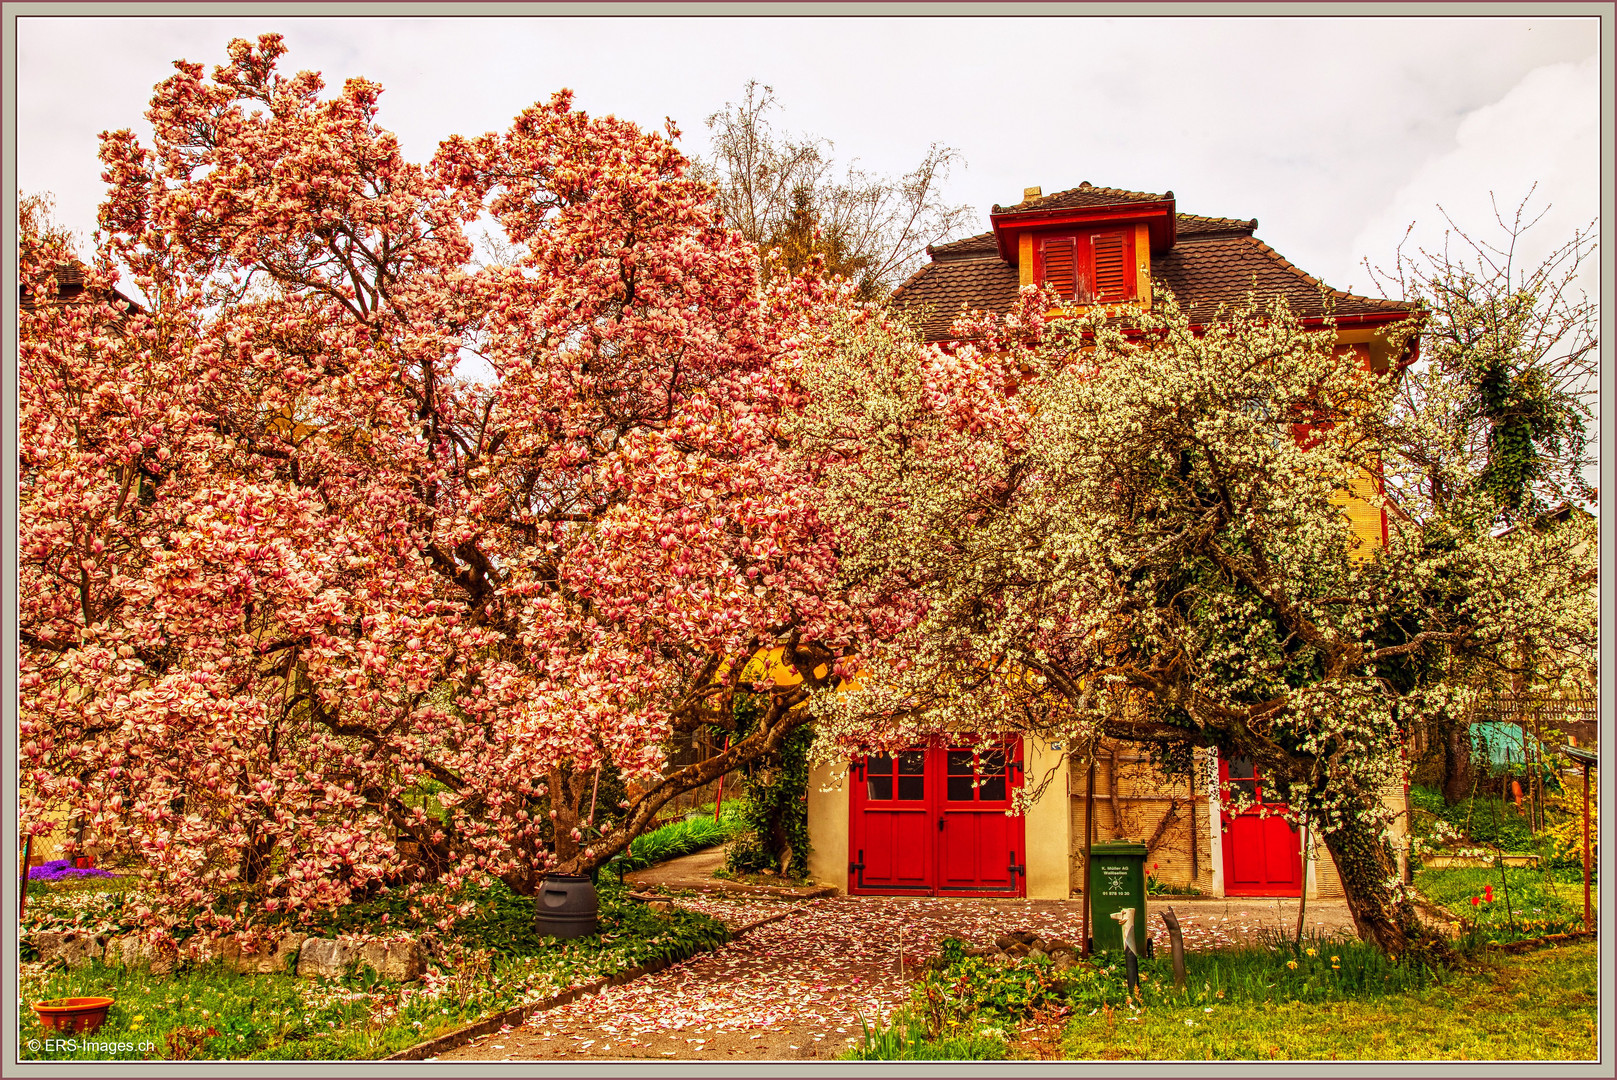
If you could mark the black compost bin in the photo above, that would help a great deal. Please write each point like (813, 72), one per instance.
(566, 906)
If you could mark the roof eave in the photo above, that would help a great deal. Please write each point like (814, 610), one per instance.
(1159, 217)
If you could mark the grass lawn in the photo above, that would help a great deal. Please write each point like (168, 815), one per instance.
(493, 961)
(1537, 1006)
(1537, 900)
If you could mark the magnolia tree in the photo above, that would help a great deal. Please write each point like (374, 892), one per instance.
(305, 613)
(1136, 529)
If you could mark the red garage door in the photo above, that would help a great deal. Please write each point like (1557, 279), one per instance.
(931, 820)
(1262, 850)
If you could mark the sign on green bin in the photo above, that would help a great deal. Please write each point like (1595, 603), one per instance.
(1116, 881)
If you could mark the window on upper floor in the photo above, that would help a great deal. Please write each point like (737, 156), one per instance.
(1095, 267)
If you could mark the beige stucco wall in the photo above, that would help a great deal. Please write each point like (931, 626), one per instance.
(1049, 824)
(828, 826)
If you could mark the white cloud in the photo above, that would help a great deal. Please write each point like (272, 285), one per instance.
(1545, 131)
(1313, 125)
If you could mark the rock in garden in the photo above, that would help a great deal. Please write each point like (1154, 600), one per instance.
(982, 950)
(1055, 945)
(73, 947)
(661, 907)
(325, 958)
(1005, 941)
(1026, 937)
(1065, 961)
(269, 958)
(1036, 953)
(132, 950)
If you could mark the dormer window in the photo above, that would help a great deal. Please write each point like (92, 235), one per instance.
(1090, 267)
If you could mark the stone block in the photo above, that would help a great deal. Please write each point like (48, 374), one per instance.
(326, 958)
(74, 947)
(268, 958)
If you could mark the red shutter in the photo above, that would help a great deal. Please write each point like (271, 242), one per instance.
(1114, 266)
(1059, 259)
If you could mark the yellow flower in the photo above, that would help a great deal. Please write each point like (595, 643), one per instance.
(1291, 964)
(1336, 959)
(1312, 952)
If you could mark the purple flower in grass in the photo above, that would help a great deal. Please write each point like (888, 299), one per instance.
(64, 870)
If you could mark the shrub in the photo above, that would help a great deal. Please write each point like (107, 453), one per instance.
(679, 838)
(776, 813)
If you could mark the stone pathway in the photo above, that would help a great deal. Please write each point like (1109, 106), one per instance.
(799, 988)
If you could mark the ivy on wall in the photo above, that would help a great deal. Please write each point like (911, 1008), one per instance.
(777, 803)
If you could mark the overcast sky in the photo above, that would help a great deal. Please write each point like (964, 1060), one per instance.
(1334, 133)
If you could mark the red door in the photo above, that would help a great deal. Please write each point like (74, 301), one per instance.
(932, 820)
(891, 824)
(1263, 853)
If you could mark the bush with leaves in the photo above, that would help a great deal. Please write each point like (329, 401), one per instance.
(776, 805)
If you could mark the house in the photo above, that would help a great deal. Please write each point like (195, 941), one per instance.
(931, 820)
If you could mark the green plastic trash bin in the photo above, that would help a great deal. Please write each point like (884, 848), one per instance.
(1116, 881)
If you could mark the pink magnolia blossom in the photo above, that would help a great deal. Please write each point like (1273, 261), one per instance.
(303, 610)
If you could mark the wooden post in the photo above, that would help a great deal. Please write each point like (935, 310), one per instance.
(1176, 941)
(1089, 837)
(1538, 773)
(28, 852)
(718, 800)
(1527, 774)
(1587, 924)
(1409, 824)
(1195, 838)
(1302, 904)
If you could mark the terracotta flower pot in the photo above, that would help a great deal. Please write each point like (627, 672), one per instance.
(73, 1015)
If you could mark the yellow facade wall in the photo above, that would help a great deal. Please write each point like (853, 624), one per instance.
(1049, 826)
(1144, 798)
(1142, 265)
(828, 826)
(1363, 515)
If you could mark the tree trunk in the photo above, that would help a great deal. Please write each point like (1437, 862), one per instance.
(1456, 737)
(1369, 873)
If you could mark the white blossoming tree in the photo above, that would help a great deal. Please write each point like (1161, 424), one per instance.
(1135, 529)
(1496, 412)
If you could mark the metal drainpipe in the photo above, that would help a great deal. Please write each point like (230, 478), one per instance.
(1089, 837)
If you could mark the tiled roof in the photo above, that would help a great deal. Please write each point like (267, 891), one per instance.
(70, 290)
(939, 292)
(1196, 225)
(1085, 194)
(1224, 269)
(978, 246)
(1216, 262)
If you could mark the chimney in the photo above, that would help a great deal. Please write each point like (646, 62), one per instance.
(1031, 192)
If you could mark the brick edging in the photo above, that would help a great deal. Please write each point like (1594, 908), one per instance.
(518, 1014)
